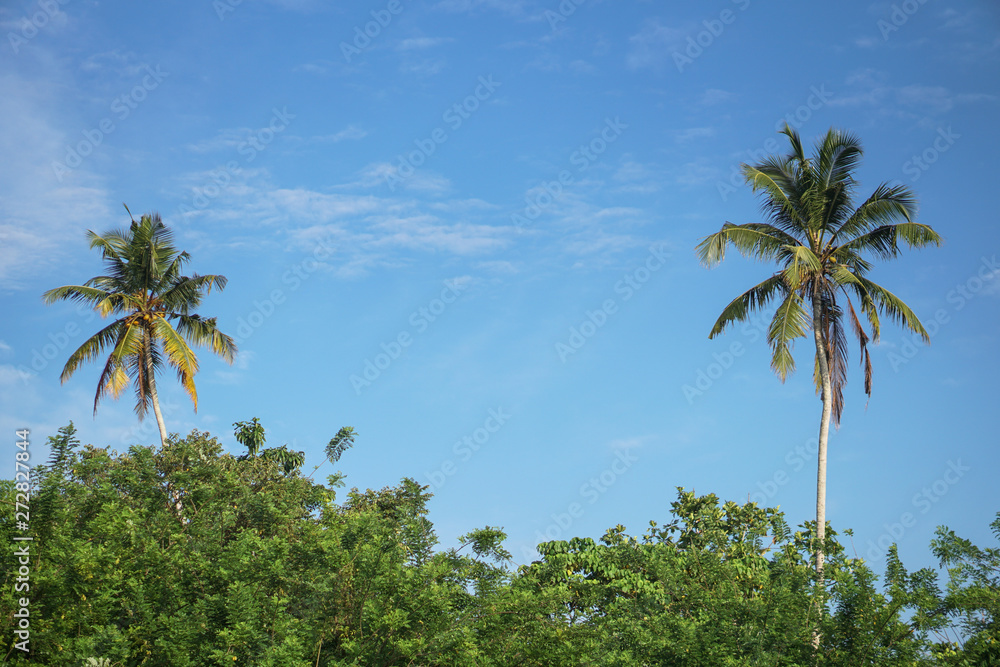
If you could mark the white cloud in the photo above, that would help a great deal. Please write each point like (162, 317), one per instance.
(323, 67)
(914, 102)
(714, 96)
(637, 178)
(351, 132)
(510, 7)
(425, 67)
(413, 43)
(653, 45)
(368, 230)
(42, 214)
(630, 443)
(695, 133)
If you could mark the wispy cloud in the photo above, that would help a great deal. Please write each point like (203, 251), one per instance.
(351, 132)
(323, 67)
(41, 216)
(695, 133)
(516, 8)
(414, 43)
(915, 102)
(653, 44)
(714, 96)
(370, 229)
(423, 68)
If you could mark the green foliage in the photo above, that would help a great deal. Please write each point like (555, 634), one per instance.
(251, 435)
(257, 565)
(340, 443)
(968, 616)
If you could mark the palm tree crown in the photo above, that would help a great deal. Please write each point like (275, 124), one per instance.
(821, 242)
(144, 286)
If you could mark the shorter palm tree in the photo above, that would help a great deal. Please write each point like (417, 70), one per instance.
(145, 288)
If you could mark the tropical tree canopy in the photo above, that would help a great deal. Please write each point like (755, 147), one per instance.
(153, 302)
(825, 247)
(262, 566)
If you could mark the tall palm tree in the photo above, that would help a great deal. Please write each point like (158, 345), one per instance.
(144, 286)
(822, 243)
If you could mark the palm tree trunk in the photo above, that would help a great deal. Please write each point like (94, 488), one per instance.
(171, 492)
(156, 411)
(824, 434)
(152, 393)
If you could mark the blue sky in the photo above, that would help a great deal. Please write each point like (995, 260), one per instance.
(467, 229)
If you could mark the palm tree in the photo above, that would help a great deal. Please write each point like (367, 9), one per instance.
(821, 243)
(144, 286)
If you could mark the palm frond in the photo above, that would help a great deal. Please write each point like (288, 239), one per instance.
(838, 155)
(178, 353)
(836, 351)
(789, 322)
(753, 300)
(85, 294)
(92, 348)
(114, 376)
(753, 240)
(801, 264)
(890, 304)
(203, 331)
(888, 204)
(782, 193)
(794, 141)
(186, 293)
(884, 241)
(859, 332)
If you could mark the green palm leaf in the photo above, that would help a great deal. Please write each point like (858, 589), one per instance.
(790, 322)
(753, 300)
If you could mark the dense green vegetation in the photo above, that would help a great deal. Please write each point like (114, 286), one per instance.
(187, 555)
